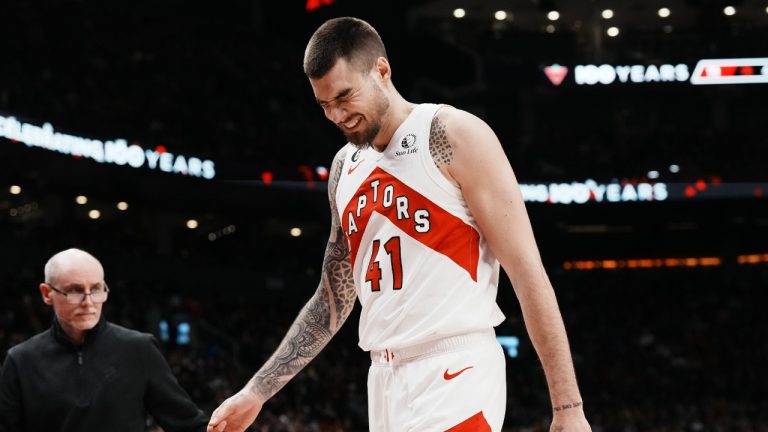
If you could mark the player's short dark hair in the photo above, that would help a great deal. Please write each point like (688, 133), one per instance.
(349, 38)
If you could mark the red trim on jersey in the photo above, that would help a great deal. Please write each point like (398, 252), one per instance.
(476, 423)
(447, 235)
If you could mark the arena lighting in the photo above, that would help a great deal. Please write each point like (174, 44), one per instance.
(94, 214)
(459, 13)
(612, 31)
(553, 15)
(500, 15)
(183, 330)
(653, 175)
(295, 232)
(23, 209)
(122, 206)
(227, 230)
(549, 28)
(165, 335)
(510, 344)
(642, 263)
(15, 190)
(752, 259)
(312, 5)
(322, 173)
(267, 177)
(308, 175)
(730, 71)
(729, 11)
(116, 152)
(192, 224)
(674, 168)
(664, 12)
(607, 14)
(81, 199)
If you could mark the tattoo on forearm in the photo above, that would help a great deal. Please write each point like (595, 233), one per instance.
(439, 147)
(307, 336)
(568, 406)
(320, 318)
(338, 284)
(557, 428)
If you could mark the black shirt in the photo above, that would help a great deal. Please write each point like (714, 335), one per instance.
(109, 383)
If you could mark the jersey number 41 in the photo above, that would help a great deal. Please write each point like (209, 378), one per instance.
(373, 273)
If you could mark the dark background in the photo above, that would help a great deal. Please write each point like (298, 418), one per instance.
(656, 349)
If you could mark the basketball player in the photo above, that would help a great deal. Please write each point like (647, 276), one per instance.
(424, 207)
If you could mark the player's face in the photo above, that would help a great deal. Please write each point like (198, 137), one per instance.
(76, 318)
(354, 101)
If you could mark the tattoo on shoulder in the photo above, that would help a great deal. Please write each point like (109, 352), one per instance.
(439, 147)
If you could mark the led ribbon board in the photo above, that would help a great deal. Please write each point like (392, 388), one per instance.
(117, 152)
(707, 71)
(591, 191)
(730, 71)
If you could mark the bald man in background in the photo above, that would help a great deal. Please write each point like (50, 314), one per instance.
(84, 373)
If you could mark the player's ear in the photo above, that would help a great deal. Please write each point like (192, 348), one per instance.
(383, 69)
(45, 293)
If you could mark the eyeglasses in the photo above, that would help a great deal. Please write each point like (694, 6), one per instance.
(98, 295)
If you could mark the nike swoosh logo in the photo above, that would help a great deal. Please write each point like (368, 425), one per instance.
(354, 167)
(450, 376)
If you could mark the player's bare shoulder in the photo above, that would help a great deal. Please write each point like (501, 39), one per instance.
(453, 132)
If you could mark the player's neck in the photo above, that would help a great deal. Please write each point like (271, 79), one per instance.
(399, 110)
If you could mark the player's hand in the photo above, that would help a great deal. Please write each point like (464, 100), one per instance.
(236, 413)
(570, 421)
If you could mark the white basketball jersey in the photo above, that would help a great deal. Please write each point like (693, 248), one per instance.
(422, 268)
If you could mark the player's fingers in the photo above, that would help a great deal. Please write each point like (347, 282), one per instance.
(223, 411)
(221, 427)
(216, 418)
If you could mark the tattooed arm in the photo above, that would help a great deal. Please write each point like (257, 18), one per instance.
(463, 146)
(314, 327)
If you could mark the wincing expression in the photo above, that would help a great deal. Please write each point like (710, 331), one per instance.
(353, 101)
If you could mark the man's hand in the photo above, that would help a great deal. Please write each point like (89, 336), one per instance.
(236, 413)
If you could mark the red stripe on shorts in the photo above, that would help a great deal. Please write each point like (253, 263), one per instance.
(476, 423)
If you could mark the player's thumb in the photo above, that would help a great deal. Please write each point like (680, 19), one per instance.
(217, 417)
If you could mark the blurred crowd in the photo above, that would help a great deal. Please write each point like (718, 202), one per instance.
(655, 350)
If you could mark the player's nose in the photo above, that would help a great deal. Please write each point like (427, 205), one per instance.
(335, 114)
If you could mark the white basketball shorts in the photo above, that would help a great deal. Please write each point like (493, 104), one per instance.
(455, 384)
